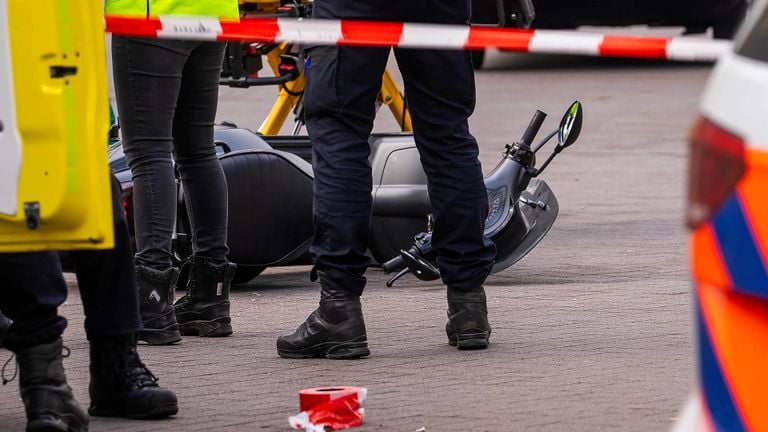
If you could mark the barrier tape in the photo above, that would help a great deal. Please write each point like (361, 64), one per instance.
(416, 35)
(331, 408)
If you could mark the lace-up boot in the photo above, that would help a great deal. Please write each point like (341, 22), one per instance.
(156, 302)
(47, 398)
(121, 386)
(467, 326)
(204, 310)
(335, 330)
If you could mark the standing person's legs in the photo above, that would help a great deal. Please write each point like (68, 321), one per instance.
(31, 290)
(147, 82)
(342, 84)
(440, 88)
(204, 310)
(121, 386)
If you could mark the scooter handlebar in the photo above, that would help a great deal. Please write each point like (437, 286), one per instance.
(533, 127)
(394, 264)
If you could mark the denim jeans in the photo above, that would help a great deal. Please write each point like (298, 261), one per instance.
(167, 93)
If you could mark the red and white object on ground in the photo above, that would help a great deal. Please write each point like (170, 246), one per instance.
(416, 35)
(329, 408)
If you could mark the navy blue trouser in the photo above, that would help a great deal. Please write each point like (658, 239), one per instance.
(342, 85)
(32, 288)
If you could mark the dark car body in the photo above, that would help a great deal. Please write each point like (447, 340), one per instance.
(723, 16)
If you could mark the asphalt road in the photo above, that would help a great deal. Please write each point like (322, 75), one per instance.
(592, 330)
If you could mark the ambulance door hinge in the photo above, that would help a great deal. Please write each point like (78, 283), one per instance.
(32, 214)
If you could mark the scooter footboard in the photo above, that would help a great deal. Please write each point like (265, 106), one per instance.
(535, 212)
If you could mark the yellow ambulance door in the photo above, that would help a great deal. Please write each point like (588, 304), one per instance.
(54, 119)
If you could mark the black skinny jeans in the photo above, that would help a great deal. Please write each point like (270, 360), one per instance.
(167, 94)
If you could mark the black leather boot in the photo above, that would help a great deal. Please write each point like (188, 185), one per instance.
(121, 386)
(467, 326)
(335, 330)
(47, 398)
(204, 310)
(156, 301)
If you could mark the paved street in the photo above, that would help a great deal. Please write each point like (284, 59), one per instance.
(592, 331)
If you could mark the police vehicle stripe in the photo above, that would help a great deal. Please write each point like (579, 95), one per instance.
(415, 35)
(739, 251)
(725, 416)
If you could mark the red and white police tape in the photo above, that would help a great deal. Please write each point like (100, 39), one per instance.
(334, 408)
(415, 35)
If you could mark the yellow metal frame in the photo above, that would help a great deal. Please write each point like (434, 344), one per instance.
(290, 95)
(58, 74)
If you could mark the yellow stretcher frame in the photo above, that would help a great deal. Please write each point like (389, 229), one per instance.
(55, 57)
(290, 95)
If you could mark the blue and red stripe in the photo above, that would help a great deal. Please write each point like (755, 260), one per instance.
(739, 249)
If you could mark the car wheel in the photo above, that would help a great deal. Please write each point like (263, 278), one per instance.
(477, 58)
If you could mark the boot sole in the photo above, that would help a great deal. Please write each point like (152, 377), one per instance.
(331, 350)
(149, 412)
(469, 341)
(50, 425)
(205, 328)
(159, 337)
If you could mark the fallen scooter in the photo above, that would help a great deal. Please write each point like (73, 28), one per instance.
(521, 210)
(269, 180)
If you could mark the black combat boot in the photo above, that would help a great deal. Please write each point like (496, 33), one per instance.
(335, 330)
(156, 301)
(467, 326)
(204, 310)
(121, 386)
(47, 398)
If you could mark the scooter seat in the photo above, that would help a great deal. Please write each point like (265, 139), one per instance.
(270, 206)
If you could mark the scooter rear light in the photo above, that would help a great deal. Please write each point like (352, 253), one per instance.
(716, 164)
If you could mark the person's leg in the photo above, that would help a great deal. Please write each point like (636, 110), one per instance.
(204, 310)
(31, 290)
(342, 84)
(440, 88)
(147, 82)
(121, 386)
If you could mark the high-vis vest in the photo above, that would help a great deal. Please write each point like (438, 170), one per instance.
(226, 9)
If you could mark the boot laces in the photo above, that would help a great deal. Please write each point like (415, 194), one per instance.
(64, 353)
(138, 374)
(15, 370)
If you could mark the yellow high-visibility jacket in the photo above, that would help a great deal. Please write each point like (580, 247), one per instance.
(226, 9)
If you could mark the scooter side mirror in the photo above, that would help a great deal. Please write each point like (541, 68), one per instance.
(570, 126)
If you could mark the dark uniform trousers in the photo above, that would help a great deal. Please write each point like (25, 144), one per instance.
(32, 287)
(342, 85)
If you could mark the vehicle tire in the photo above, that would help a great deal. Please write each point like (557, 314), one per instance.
(477, 58)
(726, 27)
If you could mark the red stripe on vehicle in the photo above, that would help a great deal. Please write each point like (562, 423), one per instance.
(707, 262)
(738, 327)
